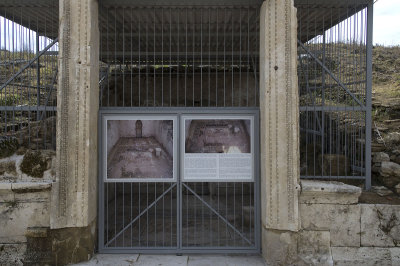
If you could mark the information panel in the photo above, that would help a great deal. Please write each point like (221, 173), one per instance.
(218, 149)
(139, 148)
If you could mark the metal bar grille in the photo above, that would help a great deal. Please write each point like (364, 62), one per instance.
(332, 63)
(179, 56)
(28, 74)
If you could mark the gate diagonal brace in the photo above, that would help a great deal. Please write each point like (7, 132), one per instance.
(219, 215)
(330, 73)
(140, 214)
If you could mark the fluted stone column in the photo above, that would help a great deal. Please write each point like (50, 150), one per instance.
(279, 115)
(75, 197)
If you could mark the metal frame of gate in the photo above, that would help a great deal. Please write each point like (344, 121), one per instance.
(108, 244)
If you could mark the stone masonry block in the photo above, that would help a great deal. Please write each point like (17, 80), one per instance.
(380, 225)
(342, 221)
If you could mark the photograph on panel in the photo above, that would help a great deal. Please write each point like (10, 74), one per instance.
(140, 148)
(217, 136)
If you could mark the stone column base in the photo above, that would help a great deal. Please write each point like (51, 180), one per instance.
(60, 246)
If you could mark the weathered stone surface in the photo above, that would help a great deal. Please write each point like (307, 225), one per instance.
(364, 256)
(314, 247)
(329, 192)
(392, 138)
(397, 188)
(74, 197)
(279, 247)
(389, 173)
(35, 232)
(380, 157)
(16, 217)
(279, 116)
(6, 195)
(380, 225)
(73, 245)
(24, 187)
(381, 191)
(395, 254)
(12, 254)
(342, 221)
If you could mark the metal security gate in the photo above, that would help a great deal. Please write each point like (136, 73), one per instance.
(179, 215)
(164, 63)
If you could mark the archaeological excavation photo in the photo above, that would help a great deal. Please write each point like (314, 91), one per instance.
(140, 149)
(217, 136)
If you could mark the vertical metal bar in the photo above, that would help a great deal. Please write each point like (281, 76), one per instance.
(123, 57)
(179, 210)
(224, 55)
(38, 75)
(368, 117)
(201, 57)
(140, 67)
(178, 58)
(186, 53)
(209, 59)
(154, 57)
(170, 57)
(162, 56)
(216, 61)
(232, 59)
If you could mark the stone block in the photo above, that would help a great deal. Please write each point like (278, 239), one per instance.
(380, 157)
(328, 192)
(380, 225)
(36, 232)
(16, 217)
(342, 221)
(389, 174)
(6, 194)
(23, 187)
(32, 191)
(12, 254)
(279, 247)
(395, 256)
(364, 256)
(73, 244)
(314, 247)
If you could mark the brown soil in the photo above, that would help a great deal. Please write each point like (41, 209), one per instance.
(373, 198)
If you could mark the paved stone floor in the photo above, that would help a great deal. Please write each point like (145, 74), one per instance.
(173, 260)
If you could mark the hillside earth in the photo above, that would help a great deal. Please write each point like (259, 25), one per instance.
(386, 119)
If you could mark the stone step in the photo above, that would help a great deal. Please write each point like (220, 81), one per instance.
(346, 256)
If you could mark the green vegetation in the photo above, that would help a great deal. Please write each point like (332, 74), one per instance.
(8, 147)
(33, 164)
